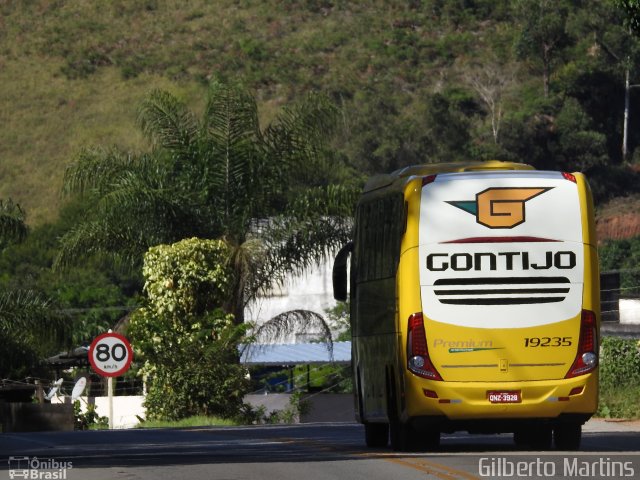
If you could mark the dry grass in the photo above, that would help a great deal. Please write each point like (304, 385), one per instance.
(73, 73)
(46, 119)
(619, 219)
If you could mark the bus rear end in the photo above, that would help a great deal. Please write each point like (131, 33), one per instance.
(506, 336)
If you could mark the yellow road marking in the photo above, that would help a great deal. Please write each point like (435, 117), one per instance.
(436, 469)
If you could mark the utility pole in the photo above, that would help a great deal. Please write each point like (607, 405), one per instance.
(625, 129)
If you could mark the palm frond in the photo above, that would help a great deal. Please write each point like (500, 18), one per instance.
(292, 246)
(238, 174)
(30, 329)
(299, 132)
(233, 136)
(25, 313)
(12, 222)
(100, 237)
(139, 206)
(283, 326)
(94, 169)
(168, 123)
(160, 214)
(331, 200)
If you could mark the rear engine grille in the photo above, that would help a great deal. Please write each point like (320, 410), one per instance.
(501, 291)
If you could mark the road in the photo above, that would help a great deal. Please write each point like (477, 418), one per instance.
(307, 452)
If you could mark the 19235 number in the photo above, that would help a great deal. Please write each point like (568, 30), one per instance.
(547, 342)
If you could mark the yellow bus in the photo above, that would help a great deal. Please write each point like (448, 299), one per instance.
(474, 300)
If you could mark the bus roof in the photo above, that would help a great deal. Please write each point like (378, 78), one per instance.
(381, 181)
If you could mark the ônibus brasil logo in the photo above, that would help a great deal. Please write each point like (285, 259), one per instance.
(500, 207)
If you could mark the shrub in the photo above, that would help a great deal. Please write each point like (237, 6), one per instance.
(620, 363)
(619, 378)
(89, 419)
(189, 345)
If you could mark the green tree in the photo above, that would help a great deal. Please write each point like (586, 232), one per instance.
(29, 328)
(603, 67)
(542, 33)
(12, 223)
(92, 295)
(578, 145)
(632, 12)
(189, 346)
(274, 195)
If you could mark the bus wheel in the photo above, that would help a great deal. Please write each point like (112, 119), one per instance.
(567, 436)
(429, 440)
(376, 434)
(520, 438)
(540, 439)
(402, 436)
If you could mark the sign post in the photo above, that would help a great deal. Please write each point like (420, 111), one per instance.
(110, 355)
(110, 396)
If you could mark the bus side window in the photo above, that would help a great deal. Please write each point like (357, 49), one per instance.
(380, 226)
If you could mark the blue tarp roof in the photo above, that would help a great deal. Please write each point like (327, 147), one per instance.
(295, 354)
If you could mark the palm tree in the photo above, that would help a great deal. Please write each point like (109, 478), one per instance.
(28, 326)
(12, 225)
(29, 330)
(273, 194)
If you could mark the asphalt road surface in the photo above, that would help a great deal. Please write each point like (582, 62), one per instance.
(305, 452)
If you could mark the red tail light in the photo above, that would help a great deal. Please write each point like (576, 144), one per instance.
(428, 179)
(587, 356)
(569, 176)
(418, 360)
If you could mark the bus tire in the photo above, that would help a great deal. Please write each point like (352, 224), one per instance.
(402, 436)
(534, 439)
(520, 438)
(376, 434)
(405, 438)
(567, 436)
(429, 440)
(540, 438)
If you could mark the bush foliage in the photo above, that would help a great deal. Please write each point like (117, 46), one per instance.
(188, 345)
(619, 378)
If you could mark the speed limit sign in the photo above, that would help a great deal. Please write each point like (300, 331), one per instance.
(110, 354)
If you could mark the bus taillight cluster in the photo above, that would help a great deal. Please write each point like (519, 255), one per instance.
(418, 360)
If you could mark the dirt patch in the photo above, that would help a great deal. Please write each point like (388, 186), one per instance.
(619, 219)
(618, 227)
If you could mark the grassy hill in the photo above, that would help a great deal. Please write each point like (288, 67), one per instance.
(73, 72)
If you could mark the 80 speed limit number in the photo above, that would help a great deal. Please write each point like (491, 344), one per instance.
(110, 354)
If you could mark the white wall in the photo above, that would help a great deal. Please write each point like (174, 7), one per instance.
(126, 409)
(311, 291)
(629, 311)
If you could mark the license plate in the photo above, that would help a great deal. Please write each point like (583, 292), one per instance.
(511, 396)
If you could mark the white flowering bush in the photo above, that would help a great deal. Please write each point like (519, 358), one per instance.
(189, 345)
(188, 277)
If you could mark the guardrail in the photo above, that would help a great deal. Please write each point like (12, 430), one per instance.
(610, 293)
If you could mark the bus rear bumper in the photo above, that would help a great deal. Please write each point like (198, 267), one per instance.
(574, 399)
(494, 425)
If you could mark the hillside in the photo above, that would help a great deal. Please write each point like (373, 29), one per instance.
(418, 81)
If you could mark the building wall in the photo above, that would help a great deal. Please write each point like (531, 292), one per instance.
(127, 410)
(312, 290)
(629, 311)
(35, 417)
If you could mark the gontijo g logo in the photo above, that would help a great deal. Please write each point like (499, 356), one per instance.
(500, 207)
